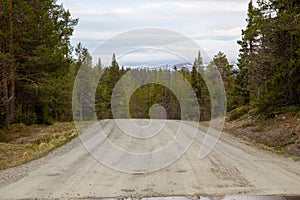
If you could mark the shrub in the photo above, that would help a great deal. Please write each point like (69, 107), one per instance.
(2, 136)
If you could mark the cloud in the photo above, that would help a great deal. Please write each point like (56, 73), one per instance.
(217, 22)
(219, 34)
(149, 57)
(212, 47)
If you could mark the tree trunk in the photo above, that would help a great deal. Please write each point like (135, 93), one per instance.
(4, 80)
(12, 66)
(5, 91)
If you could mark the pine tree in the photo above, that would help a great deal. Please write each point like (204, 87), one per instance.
(247, 54)
(199, 85)
(269, 59)
(35, 48)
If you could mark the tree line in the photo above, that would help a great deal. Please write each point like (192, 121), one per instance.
(269, 60)
(167, 87)
(35, 58)
(39, 67)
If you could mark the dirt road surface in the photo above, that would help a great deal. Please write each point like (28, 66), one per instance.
(233, 167)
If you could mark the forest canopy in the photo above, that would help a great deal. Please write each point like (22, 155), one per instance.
(269, 60)
(35, 58)
(39, 66)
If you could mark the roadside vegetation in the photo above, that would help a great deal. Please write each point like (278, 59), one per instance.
(20, 143)
(277, 130)
(267, 88)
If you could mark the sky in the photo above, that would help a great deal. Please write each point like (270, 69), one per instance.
(215, 25)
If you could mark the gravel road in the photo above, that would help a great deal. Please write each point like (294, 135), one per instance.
(233, 167)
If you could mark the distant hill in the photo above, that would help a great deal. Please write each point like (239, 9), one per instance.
(179, 66)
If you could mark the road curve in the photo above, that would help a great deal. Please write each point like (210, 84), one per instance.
(233, 167)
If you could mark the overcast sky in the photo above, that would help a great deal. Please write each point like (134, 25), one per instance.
(214, 24)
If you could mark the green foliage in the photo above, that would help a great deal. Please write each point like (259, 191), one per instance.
(42, 112)
(14, 131)
(149, 95)
(37, 58)
(145, 97)
(37, 45)
(227, 73)
(105, 87)
(269, 59)
(200, 87)
(26, 119)
(292, 109)
(2, 136)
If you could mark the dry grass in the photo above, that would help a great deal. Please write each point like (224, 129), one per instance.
(280, 132)
(25, 143)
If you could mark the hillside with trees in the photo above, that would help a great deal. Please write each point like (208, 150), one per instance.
(39, 66)
(266, 89)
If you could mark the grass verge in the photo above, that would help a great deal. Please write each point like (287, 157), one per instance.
(21, 143)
